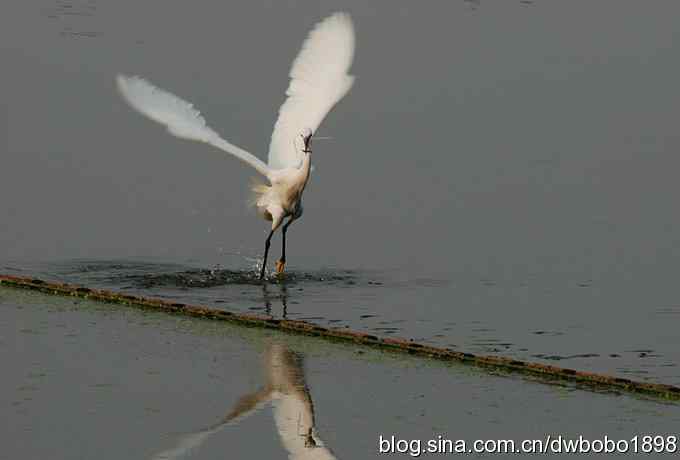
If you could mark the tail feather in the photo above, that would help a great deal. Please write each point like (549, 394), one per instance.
(258, 190)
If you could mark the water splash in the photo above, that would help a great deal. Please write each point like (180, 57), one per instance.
(147, 275)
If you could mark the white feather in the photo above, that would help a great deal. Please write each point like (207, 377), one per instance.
(179, 116)
(319, 79)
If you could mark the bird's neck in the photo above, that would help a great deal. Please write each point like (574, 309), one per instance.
(306, 166)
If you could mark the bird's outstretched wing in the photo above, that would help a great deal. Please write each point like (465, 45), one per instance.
(244, 407)
(179, 116)
(319, 79)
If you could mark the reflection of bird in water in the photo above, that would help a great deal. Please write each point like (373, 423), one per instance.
(286, 388)
(293, 406)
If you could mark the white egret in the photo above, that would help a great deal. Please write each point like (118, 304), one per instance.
(319, 79)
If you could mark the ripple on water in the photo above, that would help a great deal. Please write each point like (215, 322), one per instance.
(144, 275)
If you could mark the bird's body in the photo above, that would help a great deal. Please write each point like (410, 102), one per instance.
(283, 198)
(319, 79)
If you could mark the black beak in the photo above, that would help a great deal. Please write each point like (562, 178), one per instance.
(308, 143)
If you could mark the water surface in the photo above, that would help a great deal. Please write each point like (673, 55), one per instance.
(502, 178)
(93, 380)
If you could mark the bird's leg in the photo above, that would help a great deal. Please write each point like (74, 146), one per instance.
(281, 263)
(266, 252)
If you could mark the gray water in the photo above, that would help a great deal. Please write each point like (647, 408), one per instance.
(502, 178)
(100, 381)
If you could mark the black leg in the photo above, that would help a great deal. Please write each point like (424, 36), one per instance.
(284, 230)
(282, 261)
(266, 252)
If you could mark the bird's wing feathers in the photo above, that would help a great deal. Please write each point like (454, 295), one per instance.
(244, 407)
(179, 116)
(319, 80)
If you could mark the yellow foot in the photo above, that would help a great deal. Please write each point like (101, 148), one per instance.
(280, 267)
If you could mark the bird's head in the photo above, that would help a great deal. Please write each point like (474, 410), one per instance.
(306, 136)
